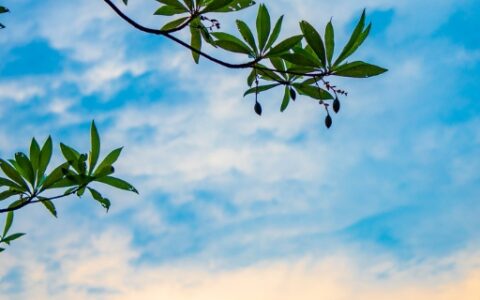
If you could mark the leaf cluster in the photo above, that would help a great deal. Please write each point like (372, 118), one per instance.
(26, 179)
(298, 64)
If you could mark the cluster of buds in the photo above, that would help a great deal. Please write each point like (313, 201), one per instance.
(214, 23)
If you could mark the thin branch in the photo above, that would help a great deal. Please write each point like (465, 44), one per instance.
(167, 34)
(30, 200)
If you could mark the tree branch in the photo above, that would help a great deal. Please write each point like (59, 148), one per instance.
(167, 34)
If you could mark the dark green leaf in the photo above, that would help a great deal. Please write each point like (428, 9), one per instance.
(175, 23)
(168, 10)
(233, 47)
(3, 9)
(286, 99)
(251, 77)
(25, 167)
(125, 2)
(45, 156)
(285, 45)
(13, 174)
(12, 237)
(50, 206)
(234, 42)
(358, 69)
(55, 176)
(300, 60)
(8, 223)
(263, 26)
(9, 183)
(98, 197)
(35, 154)
(313, 91)
(354, 38)
(329, 42)
(314, 40)
(8, 193)
(118, 183)
(247, 35)
(196, 41)
(261, 88)
(95, 147)
(174, 3)
(109, 160)
(216, 5)
(275, 33)
(69, 153)
(235, 5)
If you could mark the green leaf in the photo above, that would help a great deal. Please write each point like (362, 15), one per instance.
(286, 99)
(168, 10)
(69, 153)
(300, 60)
(261, 88)
(314, 40)
(25, 167)
(233, 47)
(105, 171)
(125, 2)
(189, 4)
(263, 26)
(2, 249)
(175, 23)
(247, 35)
(275, 33)
(50, 206)
(13, 174)
(329, 42)
(35, 154)
(8, 223)
(196, 40)
(312, 91)
(3, 9)
(285, 45)
(56, 175)
(109, 160)
(353, 42)
(12, 237)
(251, 77)
(9, 183)
(45, 156)
(174, 3)
(98, 197)
(235, 5)
(358, 69)
(95, 147)
(216, 4)
(8, 193)
(231, 43)
(118, 183)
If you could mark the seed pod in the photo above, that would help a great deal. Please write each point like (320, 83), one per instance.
(258, 108)
(293, 94)
(336, 105)
(328, 121)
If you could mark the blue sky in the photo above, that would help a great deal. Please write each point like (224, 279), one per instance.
(389, 197)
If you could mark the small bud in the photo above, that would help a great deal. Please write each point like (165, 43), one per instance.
(336, 105)
(293, 94)
(328, 121)
(258, 108)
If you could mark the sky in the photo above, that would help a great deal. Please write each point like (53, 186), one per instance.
(384, 205)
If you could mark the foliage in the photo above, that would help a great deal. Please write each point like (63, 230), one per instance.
(26, 180)
(298, 64)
